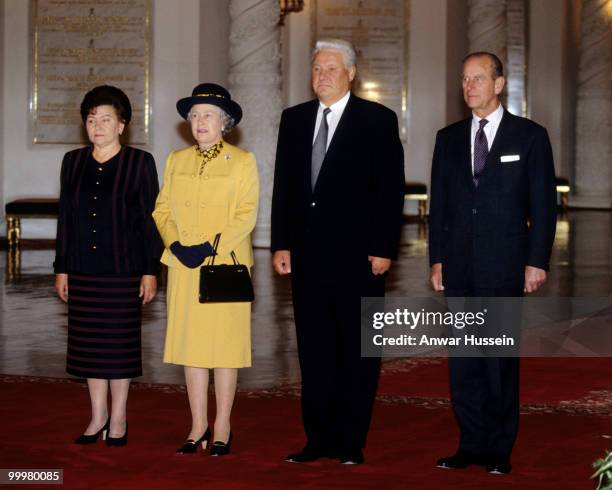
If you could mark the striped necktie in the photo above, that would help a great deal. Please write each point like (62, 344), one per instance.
(481, 151)
(319, 148)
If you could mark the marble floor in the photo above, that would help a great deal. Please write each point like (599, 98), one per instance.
(33, 321)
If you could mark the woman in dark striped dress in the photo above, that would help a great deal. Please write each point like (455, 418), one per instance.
(107, 259)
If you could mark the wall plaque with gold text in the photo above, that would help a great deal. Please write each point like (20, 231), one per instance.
(79, 44)
(378, 29)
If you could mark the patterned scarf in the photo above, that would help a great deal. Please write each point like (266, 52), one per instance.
(208, 154)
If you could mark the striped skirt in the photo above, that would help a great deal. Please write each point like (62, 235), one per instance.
(104, 315)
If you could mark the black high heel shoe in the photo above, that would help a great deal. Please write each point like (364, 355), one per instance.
(191, 446)
(219, 448)
(85, 439)
(118, 441)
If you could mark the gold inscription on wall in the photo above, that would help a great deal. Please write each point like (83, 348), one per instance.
(79, 44)
(378, 31)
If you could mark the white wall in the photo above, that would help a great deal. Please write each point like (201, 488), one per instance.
(28, 170)
(457, 46)
(296, 37)
(33, 170)
(214, 41)
(427, 84)
(175, 72)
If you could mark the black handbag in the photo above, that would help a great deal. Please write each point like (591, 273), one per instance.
(225, 283)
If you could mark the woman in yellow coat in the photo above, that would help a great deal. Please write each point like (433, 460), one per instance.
(208, 188)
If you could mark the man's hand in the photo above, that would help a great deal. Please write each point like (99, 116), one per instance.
(380, 265)
(281, 261)
(61, 286)
(148, 288)
(534, 278)
(436, 277)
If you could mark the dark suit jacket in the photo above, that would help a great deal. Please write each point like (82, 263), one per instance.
(136, 243)
(356, 207)
(485, 236)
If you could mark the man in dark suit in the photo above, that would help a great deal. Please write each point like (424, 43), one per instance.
(492, 226)
(336, 220)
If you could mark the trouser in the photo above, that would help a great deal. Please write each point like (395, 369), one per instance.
(338, 384)
(485, 393)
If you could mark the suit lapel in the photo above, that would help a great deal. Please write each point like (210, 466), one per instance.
(494, 152)
(309, 122)
(338, 139)
(466, 163)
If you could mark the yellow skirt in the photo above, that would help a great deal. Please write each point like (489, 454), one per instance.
(209, 335)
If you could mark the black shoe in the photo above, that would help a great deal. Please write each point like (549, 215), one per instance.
(118, 441)
(499, 468)
(459, 461)
(307, 455)
(85, 439)
(191, 446)
(352, 457)
(219, 448)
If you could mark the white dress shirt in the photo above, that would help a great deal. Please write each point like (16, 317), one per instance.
(490, 129)
(333, 118)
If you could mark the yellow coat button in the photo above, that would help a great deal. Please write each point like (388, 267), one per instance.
(187, 203)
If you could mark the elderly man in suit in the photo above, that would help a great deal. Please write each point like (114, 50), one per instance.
(492, 226)
(336, 220)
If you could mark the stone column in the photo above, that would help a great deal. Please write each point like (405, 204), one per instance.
(487, 29)
(255, 82)
(593, 166)
(516, 57)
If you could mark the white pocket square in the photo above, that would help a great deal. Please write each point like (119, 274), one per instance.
(509, 158)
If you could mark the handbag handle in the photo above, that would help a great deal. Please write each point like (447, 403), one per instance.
(215, 245)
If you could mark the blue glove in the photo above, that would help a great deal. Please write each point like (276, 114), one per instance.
(192, 256)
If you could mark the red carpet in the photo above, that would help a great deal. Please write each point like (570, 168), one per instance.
(560, 381)
(40, 418)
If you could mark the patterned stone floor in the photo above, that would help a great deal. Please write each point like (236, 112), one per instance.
(33, 320)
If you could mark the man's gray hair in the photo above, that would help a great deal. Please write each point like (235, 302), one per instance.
(345, 47)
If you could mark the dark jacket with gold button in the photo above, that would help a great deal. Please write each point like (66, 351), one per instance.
(115, 223)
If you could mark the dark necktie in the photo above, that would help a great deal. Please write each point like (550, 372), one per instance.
(319, 148)
(481, 151)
